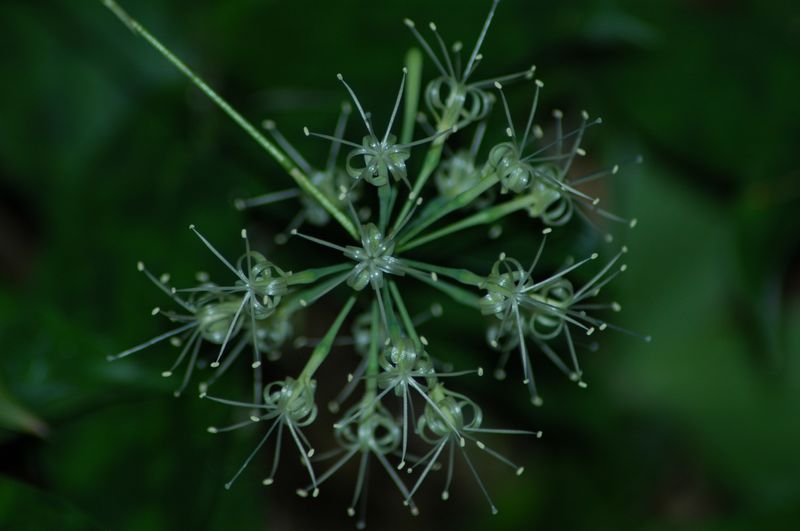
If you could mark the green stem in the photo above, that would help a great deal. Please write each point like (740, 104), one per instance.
(434, 212)
(307, 297)
(465, 276)
(296, 173)
(457, 293)
(406, 318)
(411, 100)
(384, 206)
(448, 121)
(490, 215)
(310, 276)
(322, 350)
(372, 355)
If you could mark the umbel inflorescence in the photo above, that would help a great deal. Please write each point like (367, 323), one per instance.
(400, 393)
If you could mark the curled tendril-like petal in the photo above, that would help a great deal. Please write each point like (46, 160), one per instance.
(445, 93)
(266, 281)
(549, 324)
(503, 287)
(373, 259)
(401, 354)
(378, 160)
(558, 212)
(293, 399)
(455, 413)
(377, 432)
(553, 205)
(513, 173)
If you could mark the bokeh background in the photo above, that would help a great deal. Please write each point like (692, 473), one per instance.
(107, 155)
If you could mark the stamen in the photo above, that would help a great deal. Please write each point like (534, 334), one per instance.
(472, 64)
(396, 105)
(295, 155)
(358, 104)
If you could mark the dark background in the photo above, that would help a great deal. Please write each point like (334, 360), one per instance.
(107, 154)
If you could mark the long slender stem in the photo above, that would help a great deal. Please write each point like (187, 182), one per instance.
(490, 215)
(294, 171)
(322, 350)
(411, 100)
(372, 356)
(435, 212)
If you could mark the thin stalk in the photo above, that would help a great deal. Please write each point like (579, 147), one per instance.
(490, 215)
(414, 67)
(322, 350)
(464, 276)
(291, 168)
(435, 212)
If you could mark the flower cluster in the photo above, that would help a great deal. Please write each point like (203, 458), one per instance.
(526, 172)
